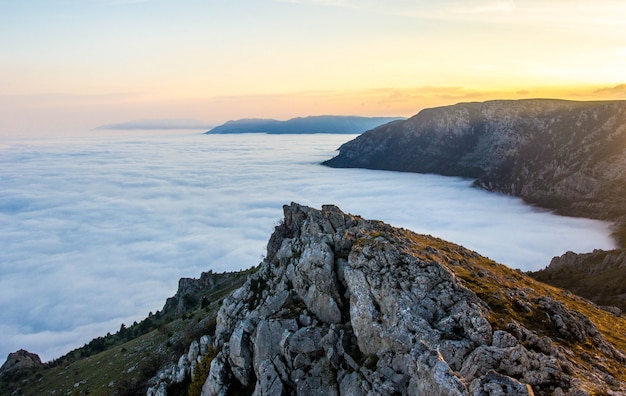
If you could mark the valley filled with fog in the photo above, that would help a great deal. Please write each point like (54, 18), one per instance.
(95, 231)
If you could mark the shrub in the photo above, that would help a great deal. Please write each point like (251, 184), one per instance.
(201, 372)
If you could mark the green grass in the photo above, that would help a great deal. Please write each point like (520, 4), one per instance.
(490, 281)
(94, 375)
(124, 366)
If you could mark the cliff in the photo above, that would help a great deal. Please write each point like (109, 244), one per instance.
(311, 124)
(562, 155)
(343, 305)
(18, 361)
(599, 276)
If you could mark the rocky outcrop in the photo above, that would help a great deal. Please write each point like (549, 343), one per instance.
(191, 290)
(343, 305)
(599, 276)
(562, 155)
(20, 360)
(181, 370)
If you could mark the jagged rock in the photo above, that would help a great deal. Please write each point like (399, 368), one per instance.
(270, 383)
(240, 358)
(219, 378)
(614, 310)
(306, 341)
(495, 384)
(159, 390)
(190, 291)
(343, 305)
(194, 351)
(530, 367)
(205, 342)
(182, 370)
(20, 360)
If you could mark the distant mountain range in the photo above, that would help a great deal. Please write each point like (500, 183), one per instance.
(303, 125)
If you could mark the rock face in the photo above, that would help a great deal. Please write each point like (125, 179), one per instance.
(346, 306)
(599, 276)
(20, 360)
(563, 155)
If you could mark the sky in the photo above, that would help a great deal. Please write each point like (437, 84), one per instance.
(77, 64)
(95, 231)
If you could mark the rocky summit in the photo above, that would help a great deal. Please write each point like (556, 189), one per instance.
(347, 306)
(563, 155)
(19, 360)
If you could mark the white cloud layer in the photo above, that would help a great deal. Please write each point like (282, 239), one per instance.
(96, 231)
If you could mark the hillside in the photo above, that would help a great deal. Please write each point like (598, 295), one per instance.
(301, 125)
(123, 363)
(562, 155)
(344, 305)
(599, 276)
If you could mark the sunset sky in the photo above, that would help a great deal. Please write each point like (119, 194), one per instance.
(77, 64)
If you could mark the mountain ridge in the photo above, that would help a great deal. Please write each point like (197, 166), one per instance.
(566, 156)
(303, 125)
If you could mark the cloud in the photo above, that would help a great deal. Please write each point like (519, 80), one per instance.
(96, 231)
(616, 91)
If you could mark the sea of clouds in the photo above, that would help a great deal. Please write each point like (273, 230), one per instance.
(96, 231)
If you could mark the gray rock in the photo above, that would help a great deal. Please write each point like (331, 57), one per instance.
(320, 380)
(182, 369)
(269, 383)
(268, 337)
(20, 360)
(219, 379)
(351, 384)
(315, 282)
(495, 384)
(240, 357)
(342, 305)
(194, 351)
(205, 342)
(531, 367)
(307, 340)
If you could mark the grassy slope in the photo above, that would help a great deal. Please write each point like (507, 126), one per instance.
(124, 368)
(491, 281)
(606, 286)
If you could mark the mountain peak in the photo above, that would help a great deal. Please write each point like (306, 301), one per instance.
(352, 306)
